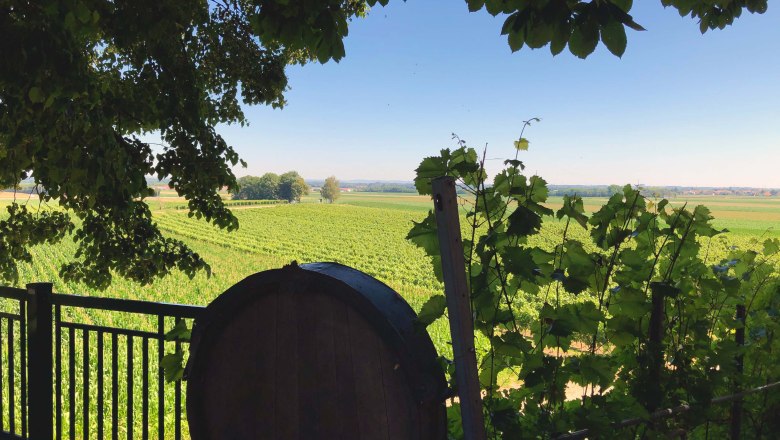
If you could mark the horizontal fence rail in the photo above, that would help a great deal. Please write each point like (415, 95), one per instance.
(77, 367)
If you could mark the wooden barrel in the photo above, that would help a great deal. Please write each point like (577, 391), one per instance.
(317, 351)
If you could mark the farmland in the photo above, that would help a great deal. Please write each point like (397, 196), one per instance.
(364, 230)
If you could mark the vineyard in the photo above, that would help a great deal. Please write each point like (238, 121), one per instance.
(365, 231)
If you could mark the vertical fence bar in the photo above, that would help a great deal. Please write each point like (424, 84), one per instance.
(72, 383)
(2, 414)
(11, 380)
(145, 388)
(458, 304)
(735, 429)
(177, 396)
(23, 334)
(100, 385)
(129, 387)
(160, 377)
(85, 360)
(114, 387)
(58, 371)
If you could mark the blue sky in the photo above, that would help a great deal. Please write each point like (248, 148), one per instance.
(679, 108)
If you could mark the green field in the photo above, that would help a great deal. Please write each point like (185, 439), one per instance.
(364, 230)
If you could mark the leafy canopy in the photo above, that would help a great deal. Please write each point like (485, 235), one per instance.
(292, 187)
(265, 187)
(330, 189)
(84, 83)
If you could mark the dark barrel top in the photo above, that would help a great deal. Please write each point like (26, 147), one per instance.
(317, 351)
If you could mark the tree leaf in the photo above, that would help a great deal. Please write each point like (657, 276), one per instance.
(511, 344)
(523, 222)
(624, 5)
(584, 39)
(173, 367)
(560, 37)
(522, 144)
(424, 234)
(520, 262)
(771, 246)
(36, 95)
(179, 332)
(430, 168)
(83, 13)
(592, 369)
(613, 34)
(475, 5)
(432, 310)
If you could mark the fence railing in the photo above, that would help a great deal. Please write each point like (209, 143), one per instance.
(85, 367)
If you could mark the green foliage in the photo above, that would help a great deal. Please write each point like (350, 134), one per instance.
(330, 190)
(289, 186)
(107, 248)
(582, 25)
(590, 334)
(522, 144)
(265, 187)
(90, 77)
(292, 187)
(23, 229)
(432, 310)
(173, 363)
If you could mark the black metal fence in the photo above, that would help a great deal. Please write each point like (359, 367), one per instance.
(85, 367)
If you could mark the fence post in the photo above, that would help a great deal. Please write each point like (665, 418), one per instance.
(736, 406)
(39, 354)
(453, 265)
(656, 350)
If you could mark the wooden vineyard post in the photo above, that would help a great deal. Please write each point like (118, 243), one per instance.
(655, 349)
(453, 267)
(736, 406)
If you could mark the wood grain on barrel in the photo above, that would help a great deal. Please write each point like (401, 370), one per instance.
(286, 398)
(290, 359)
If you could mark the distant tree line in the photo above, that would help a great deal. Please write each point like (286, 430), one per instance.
(387, 187)
(24, 189)
(659, 191)
(579, 190)
(289, 186)
(584, 190)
